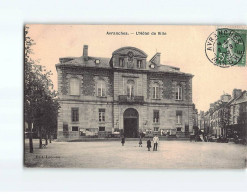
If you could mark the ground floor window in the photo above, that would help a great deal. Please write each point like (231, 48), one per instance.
(101, 115)
(156, 116)
(179, 129)
(179, 116)
(156, 128)
(75, 114)
(101, 128)
(65, 127)
(75, 128)
(186, 127)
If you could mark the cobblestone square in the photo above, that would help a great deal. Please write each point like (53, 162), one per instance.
(170, 155)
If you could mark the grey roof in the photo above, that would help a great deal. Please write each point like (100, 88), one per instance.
(235, 100)
(105, 63)
(80, 61)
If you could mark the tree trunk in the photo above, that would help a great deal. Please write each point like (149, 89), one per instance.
(40, 138)
(46, 139)
(30, 137)
(50, 136)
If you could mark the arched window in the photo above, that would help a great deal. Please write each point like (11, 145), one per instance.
(156, 91)
(101, 89)
(74, 86)
(179, 92)
(130, 88)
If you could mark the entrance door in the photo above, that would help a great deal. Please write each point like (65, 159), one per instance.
(131, 123)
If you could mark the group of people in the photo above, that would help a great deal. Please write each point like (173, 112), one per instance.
(149, 145)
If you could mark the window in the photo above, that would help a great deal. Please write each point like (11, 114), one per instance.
(101, 89)
(101, 115)
(65, 127)
(74, 86)
(179, 117)
(101, 128)
(75, 128)
(186, 128)
(139, 63)
(130, 88)
(97, 61)
(156, 129)
(156, 91)
(121, 62)
(156, 116)
(179, 129)
(75, 114)
(179, 93)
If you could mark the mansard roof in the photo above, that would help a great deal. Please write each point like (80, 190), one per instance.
(240, 98)
(102, 62)
(90, 62)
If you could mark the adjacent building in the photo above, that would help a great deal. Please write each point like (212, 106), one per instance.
(226, 115)
(125, 92)
(195, 117)
(238, 112)
(219, 118)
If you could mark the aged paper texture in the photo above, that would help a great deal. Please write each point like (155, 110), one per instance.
(135, 96)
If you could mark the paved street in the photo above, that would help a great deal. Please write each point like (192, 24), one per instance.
(170, 154)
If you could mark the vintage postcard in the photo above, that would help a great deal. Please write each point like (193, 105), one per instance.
(135, 96)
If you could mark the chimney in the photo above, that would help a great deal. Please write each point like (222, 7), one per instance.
(156, 59)
(225, 98)
(236, 93)
(85, 52)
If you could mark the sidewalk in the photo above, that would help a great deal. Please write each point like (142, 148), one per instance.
(89, 139)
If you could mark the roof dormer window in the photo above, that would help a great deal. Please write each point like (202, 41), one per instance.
(139, 63)
(152, 66)
(121, 62)
(97, 61)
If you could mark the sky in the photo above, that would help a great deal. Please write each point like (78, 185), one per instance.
(180, 46)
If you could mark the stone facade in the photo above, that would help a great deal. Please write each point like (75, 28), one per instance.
(238, 114)
(103, 95)
(227, 115)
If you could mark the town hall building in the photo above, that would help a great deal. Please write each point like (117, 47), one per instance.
(125, 93)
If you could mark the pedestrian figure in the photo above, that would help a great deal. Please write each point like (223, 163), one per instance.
(123, 141)
(149, 144)
(156, 141)
(140, 142)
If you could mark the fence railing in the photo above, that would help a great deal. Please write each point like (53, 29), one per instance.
(131, 99)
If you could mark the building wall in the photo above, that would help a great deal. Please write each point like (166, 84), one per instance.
(88, 116)
(120, 84)
(168, 84)
(167, 116)
(234, 113)
(88, 83)
(89, 103)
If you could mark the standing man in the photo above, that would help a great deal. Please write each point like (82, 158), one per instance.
(156, 141)
(140, 141)
(123, 141)
(149, 144)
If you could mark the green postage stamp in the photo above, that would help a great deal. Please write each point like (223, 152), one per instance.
(227, 47)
